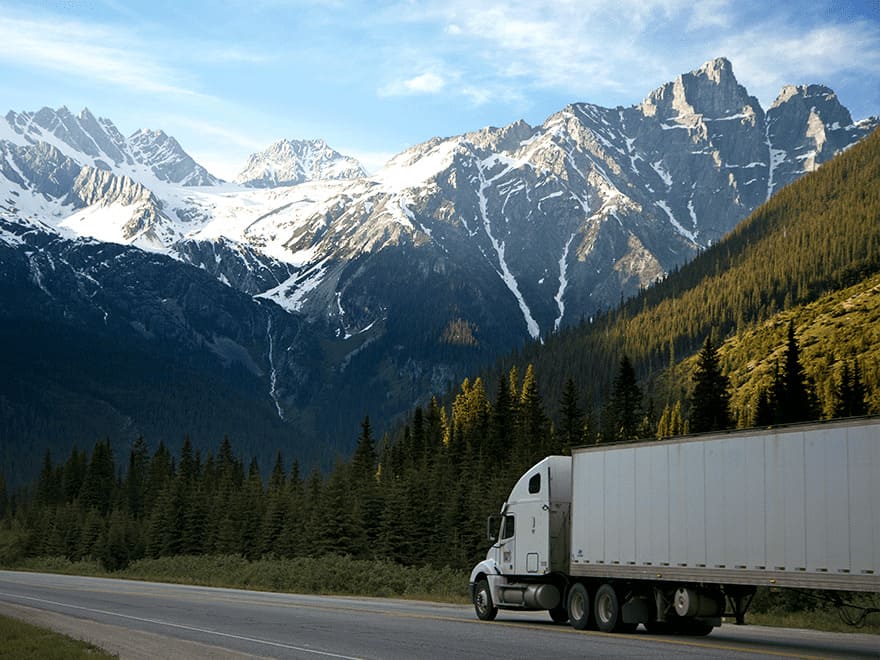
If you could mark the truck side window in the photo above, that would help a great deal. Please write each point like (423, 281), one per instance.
(507, 528)
(535, 484)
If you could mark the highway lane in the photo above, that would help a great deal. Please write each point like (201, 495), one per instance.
(300, 626)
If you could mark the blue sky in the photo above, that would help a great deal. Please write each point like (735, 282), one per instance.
(228, 77)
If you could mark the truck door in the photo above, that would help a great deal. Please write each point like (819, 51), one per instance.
(507, 543)
(533, 547)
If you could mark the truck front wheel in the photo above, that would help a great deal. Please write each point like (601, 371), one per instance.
(579, 607)
(483, 606)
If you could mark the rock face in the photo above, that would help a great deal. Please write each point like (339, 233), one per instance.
(98, 143)
(458, 250)
(289, 162)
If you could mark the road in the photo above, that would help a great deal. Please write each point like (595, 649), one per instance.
(152, 620)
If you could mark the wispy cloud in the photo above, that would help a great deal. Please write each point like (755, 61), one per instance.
(605, 49)
(809, 56)
(90, 51)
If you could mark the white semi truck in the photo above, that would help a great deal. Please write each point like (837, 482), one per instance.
(675, 534)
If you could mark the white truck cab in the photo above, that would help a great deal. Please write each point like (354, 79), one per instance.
(530, 538)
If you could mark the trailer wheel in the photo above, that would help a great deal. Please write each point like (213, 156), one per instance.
(607, 611)
(579, 607)
(483, 606)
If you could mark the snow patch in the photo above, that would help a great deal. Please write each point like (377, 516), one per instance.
(273, 374)
(691, 236)
(657, 166)
(563, 283)
(504, 273)
(408, 170)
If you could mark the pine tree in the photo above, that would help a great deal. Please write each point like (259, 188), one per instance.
(136, 478)
(571, 417)
(74, 474)
(289, 541)
(532, 423)
(277, 508)
(795, 401)
(500, 439)
(710, 399)
(765, 412)
(366, 502)
(252, 512)
(850, 394)
(625, 410)
(4, 498)
(49, 483)
(100, 480)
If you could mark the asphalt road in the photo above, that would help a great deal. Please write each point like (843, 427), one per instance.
(151, 620)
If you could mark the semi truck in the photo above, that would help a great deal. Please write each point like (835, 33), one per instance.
(676, 534)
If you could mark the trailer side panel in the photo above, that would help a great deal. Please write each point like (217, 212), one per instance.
(797, 506)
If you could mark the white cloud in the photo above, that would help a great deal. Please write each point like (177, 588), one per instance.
(818, 55)
(606, 50)
(425, 83)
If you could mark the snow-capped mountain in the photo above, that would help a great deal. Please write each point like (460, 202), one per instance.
(99, 144)
(459, 249)
(289, 162)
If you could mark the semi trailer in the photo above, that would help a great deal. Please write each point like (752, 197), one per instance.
(676, 534)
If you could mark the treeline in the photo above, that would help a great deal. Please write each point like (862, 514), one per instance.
(420, 496)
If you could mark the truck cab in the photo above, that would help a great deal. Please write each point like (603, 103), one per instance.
(530, 536)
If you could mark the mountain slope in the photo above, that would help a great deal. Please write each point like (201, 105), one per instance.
(816, 237)
(158, 349)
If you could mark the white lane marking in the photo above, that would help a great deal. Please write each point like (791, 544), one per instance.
(185, 627)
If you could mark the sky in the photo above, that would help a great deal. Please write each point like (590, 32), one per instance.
(229, 77)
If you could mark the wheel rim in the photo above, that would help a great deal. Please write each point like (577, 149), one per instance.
(483, 600)
(576, 607)
(603, 608)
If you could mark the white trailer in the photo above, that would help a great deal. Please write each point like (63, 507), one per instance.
(671, 534)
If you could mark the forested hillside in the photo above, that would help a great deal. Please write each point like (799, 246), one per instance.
(787, 305)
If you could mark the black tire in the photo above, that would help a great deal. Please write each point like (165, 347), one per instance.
(606, 610)
(579, 614)
(483, 606)
(559, 614)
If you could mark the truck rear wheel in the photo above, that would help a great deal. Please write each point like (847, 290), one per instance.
(483, 606)
(607, 611)
(579, 607)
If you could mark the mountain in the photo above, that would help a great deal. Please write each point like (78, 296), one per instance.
(289, 162)
(457, 251)
(809, 256)
(99, 144)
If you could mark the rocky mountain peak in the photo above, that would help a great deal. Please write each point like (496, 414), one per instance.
(291, 162)
(167, 159)
(802, 100)
(710, 92)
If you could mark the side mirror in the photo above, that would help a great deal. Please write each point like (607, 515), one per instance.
(492, 525)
